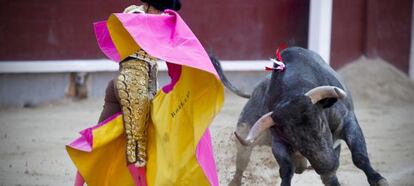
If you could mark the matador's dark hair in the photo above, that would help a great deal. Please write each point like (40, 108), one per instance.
(164, 4)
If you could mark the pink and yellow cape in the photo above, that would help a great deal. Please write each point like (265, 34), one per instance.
(179, 143)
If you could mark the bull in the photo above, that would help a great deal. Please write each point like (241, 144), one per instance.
(305, 111)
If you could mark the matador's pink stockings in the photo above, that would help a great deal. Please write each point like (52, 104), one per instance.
(138, 174)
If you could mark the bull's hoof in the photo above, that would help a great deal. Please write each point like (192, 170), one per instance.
(382, 182)
(237, 178)
(301, 166)
(300, 170)
(235, 182)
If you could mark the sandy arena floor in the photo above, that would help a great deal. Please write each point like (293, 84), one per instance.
(32, 145)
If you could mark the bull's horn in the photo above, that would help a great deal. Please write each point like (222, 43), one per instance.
(322, 92)
(261, 125)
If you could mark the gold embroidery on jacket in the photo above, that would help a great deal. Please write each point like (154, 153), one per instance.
(133, 86)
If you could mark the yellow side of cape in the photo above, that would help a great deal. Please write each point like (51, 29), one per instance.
(105, 165)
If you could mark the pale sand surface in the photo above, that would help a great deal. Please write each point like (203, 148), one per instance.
(32, 140)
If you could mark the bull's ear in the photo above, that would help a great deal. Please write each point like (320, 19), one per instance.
(327, 102)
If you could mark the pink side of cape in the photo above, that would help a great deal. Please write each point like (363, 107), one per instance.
(166, 37)
(105, 42)
(205, 158)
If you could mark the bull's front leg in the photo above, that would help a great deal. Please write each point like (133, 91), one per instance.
(282, 155)
(243, 156)
(355, 140)
(242, 160)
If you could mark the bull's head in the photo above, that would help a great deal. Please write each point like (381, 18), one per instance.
(301, 121)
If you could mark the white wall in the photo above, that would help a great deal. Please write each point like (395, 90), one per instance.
(104, 65)
(320, 21)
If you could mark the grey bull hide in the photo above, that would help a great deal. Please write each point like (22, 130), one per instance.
(304, 110)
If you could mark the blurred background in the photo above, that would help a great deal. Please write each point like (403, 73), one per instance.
(55, 38)
(53, 76)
